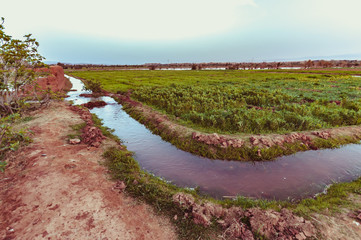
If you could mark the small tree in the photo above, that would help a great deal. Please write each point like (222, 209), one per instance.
(18, 59)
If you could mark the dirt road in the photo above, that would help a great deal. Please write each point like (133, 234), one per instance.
(54, 190)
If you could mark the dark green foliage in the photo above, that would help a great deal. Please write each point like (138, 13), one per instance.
(10, 140)
(18, 58)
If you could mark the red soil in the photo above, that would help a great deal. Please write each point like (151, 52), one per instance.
(55, 190)
(55, 81)
(92, 105)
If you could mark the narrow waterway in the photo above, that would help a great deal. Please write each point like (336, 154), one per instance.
(290, 177)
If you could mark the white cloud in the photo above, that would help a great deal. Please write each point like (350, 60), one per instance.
(132, 20)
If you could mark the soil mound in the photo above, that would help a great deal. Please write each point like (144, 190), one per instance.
(55, 81)
(92, 135)
(91, 105)
(240, 223)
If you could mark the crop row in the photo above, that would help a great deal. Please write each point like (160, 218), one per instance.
(252, 110)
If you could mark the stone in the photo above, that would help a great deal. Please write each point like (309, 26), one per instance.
(254, 141)
(120, 185)
(74, 141)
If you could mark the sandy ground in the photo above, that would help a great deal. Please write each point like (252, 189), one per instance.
(54, 190)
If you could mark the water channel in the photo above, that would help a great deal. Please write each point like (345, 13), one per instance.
(296, 176)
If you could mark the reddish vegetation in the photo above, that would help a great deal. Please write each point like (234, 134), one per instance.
(91, 135)
(269, 223)
(95, 104)
(55, 81)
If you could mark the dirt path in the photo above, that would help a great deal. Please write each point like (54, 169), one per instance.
(54, 190)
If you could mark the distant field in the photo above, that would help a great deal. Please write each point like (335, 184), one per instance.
(244, 101)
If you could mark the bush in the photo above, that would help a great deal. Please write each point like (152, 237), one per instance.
(10, 140)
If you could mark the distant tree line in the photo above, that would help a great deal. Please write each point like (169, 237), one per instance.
(223, 65)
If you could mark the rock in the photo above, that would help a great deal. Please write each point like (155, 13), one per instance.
(74, 141)
(254, 141)
(232, 214)
(120, 185)
(195, 135)
(238, 143)
(239, 230)
(259, 153)
(266, 141)
(322, 134)
(221, 222)
(92, 136)
(215, 136)
(284, 224)
(292, 137)
(69, 166)
(200, 216)
(269, 223)
(94, 104)
(183, 200)
(203, 213)
(300, 236)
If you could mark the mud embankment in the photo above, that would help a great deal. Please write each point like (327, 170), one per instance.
(242, 223)
(55, 81)
(244, 147)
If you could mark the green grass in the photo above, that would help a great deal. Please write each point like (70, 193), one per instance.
(335, 199)
(240, 102)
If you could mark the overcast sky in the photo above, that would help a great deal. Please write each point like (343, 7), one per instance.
(148, 31)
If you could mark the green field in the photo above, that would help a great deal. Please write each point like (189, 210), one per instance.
(244, 101)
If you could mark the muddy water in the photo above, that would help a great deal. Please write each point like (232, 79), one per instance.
(291, 177)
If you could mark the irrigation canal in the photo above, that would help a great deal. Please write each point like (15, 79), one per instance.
(296, 176)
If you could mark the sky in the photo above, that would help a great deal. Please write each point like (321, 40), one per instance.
(170, 31)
